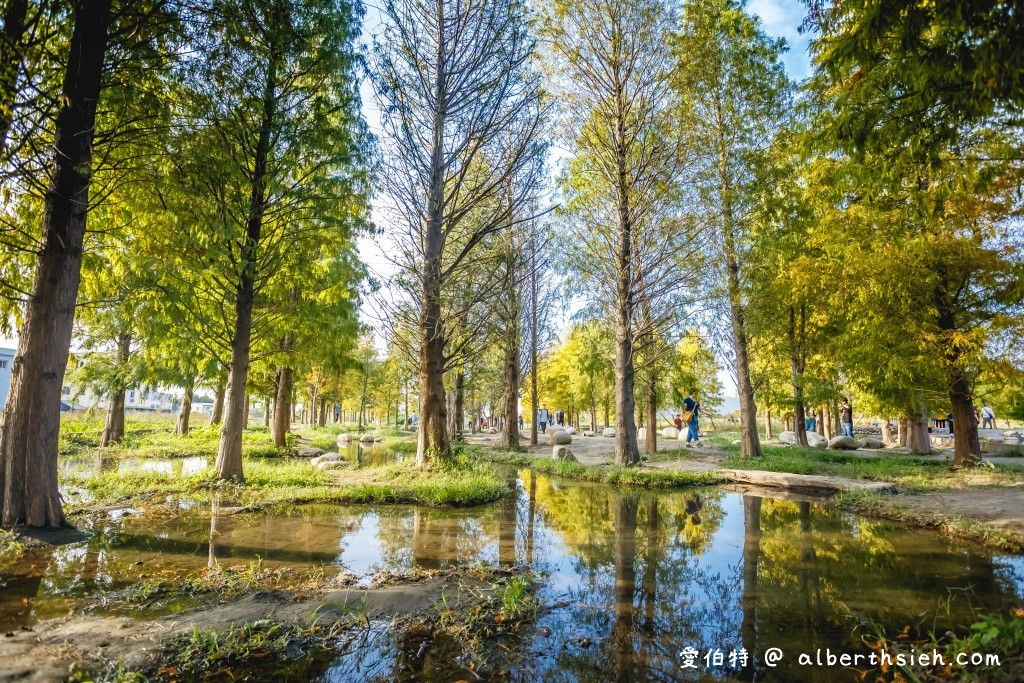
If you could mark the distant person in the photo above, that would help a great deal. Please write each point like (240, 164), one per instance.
(949, 421)
(691, 409)
(561, 418)
(988, 418)
(415, 419)
(846, 416)
(679, 423)
(543, 417)
(810, 422)
(520, 422)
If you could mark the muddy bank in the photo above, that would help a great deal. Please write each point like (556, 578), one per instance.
(49, 651)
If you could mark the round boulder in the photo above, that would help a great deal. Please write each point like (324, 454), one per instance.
(344, 439)
(560, 438)
(563, 453)
(788, 438)
(670, 433)
(815, 440)
(310, 452)
(571, 431)
(871, 443)
(842, 443)
(609, 432)
(589, 433)
(641, 434)
(333, 464)
(367, 438)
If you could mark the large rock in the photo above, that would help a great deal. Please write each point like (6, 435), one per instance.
(367, 437)
(563, 453)
(570, 431)
(333, 464)
(560, 438)
(816, 440)
(609, 432)
(843, 443)
(310, 452)
(670, 433)
(344, 439)
(552, 429)
(788, 438)
(871, 443)
(492, 430)
(327, 457)
(641, 434)
(589, 433)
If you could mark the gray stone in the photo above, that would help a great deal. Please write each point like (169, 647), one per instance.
(788, 438)
(609, 432)
(560, 438)
(843, 443)
(310, 452)
(571, 431)
(327, 457)
(333, 464)
(344, 439)
(589, 433)
(871, 443)
(367, 438)
(816, 440)
(563, 453)
(492, 430)
(670, 433)
(641, 434)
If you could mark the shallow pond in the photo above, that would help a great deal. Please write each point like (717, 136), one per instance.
(633, 578)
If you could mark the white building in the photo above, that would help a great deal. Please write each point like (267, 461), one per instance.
(135, 398)
(6, 361)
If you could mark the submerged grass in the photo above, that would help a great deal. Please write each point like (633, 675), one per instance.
(622, 476)
(873, 504)
(268, 483)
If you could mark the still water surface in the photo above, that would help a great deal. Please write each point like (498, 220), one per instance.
(634, 577)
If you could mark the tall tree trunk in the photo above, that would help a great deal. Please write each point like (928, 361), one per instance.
(217, 413)
(229, 455)
(903, 432)
(266, 411)
(459, 412)
(825, 417)
(185, 412)
(918, 439)
(511, 396)
(405, 424)
(651, 440)
(623, 627)
(534, 370)
(768, 434)
(31, 418)
(626, 450)
(887, 436)
(11, 58)
(245, 411)
(433, 443)
(282, 408)
(750, 445)
(113, 428)
(797, 334)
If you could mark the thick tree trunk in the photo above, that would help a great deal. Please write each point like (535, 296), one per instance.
(902, 432)
(651, 440)
(229, 455)
(185, 412)
(966, 443)
(113, 429)
(887, 436)
(31, 418)
(918, 440)
(217, 413)
(11, 58)
(282, 408)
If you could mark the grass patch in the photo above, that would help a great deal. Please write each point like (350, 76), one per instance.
(620, 476)
(269, 482)
(162, 442)
(912, 474)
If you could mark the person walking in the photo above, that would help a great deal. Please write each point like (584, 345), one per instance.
(846, 416)
(691, 409)
(810, 421)
(988, 417)
(561, 418)
(543, 417)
